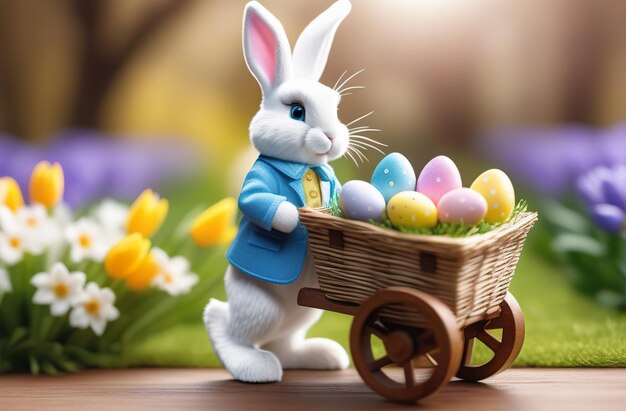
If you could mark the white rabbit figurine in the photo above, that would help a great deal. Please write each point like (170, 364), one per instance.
(261, 329)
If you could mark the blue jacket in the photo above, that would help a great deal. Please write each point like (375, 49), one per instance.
(258, 250)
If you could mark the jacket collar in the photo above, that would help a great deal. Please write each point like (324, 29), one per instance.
(295, 171)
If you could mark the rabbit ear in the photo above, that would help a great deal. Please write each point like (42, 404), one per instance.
(266, 48)
(312, 48)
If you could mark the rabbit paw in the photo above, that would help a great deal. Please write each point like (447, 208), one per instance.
(312, 354)
(286, 217)
(254, 366)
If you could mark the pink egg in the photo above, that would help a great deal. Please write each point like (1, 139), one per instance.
(438, 177)
(462, 205)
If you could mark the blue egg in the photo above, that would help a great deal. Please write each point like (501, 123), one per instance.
(393, 175)
(359, 200)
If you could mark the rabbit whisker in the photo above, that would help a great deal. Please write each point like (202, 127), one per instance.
(345, 94)
(352, 151)
(360, 154)
(339, 79)
(363, 130)
(371, 140)
(357, 152)
(360, 118)
(352, 157)
(350, 88)
(358, 128)
(349, 78)
(363, 145)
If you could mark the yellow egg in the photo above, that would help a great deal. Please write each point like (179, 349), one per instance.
(410, 209)
(498, 190)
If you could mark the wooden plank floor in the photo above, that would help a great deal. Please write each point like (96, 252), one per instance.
(187, 389)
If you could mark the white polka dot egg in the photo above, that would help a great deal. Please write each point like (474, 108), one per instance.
(359, 200)
(462, 205)
(496, 187)
(413, 210)
(439, 176)
(393, 175)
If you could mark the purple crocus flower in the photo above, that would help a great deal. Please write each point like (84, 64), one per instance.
(551, 160)
(604, 191)
(97, 165)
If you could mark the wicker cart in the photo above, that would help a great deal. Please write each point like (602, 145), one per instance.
(420, 299)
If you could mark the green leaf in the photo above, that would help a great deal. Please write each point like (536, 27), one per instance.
(575, 243)
(610, 298)
(34, 365)
(19, 334)
(622, 268)
(91, 359)
(48, 368)
(69, 366)
(565, 218)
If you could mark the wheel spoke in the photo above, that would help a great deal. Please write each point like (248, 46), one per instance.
(498, 323)
(467, 352)
(408, 374)
(432, 359)
(378, 330)
(380, 363)
(489, 340)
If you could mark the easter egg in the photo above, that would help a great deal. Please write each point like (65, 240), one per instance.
(392, 175)
(410, 209)
(359, 200)
(497, 189)
(438, 177)
(462, 205)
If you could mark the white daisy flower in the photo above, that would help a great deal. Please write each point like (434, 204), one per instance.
(59, 288)
(38, 225)
(62, 215)
(94, 309)
(87, 239)
(5, 281)
(112, 215)
(173, 276)
(15, 239)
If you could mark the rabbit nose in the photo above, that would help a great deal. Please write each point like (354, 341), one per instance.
(328, 136)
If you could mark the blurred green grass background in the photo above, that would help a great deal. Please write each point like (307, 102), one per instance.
(563, 328)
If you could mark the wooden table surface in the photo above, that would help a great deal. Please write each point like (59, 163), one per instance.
(201, 389)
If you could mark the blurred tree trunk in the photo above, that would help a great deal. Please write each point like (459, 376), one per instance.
(100, 70)
(586, 52)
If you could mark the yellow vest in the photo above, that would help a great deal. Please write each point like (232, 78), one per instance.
(312, 190)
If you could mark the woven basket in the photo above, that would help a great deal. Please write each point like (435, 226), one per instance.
(471, 275)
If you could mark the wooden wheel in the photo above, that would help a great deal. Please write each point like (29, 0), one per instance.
(505, 349)
(405, 345)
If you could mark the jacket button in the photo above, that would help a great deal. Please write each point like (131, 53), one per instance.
(313, 194)
(309, 177)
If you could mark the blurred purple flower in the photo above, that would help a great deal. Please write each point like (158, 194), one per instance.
(97, 165)
(604, 191)
(551, 160)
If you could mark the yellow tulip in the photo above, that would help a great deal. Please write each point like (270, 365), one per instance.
(46, 184)
(10, 194)
(146, 214)
(216, 224)
(142, 276)
(126, 256)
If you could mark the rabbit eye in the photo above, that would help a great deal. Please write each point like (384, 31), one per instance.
(297, 112)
